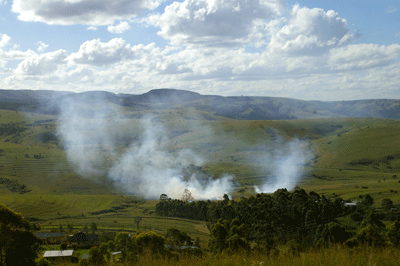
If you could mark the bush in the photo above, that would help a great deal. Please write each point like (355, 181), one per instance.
(369, 236)
(393, 233)
(42, 262)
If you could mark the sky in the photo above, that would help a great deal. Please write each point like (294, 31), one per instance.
(306, 49)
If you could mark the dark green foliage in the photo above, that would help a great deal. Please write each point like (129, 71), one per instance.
(333, 233)
(42, 262)
(374, 219)
(96, 257)
(231, 236)
(106, 236)
(387, 204)
(123, 243)
(368, 200)
(269, 220)
(63, 246)
(219, 235)
(149, 242)
(93, 227)
(14, 185)
(176, 237)
(369, 236)
(18, 245)
(393, 233)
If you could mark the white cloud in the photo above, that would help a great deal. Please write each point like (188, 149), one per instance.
(120, 28)
(88, 12)
(361, 56)
(4, 40)
(3, 2)
(42, 46)
(216, 22)
(11, 53)
(391, 9)
(310, 32)
(93, 28)
(97, 53)
(42, 64)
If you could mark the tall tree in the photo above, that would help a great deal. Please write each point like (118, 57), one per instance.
(18, 245)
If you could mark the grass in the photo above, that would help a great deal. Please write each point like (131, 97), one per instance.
(349, 154)
(333, 256)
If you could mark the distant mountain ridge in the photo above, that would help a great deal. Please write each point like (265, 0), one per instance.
(236, 107)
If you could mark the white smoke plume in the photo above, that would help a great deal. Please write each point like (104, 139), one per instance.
(148, 167)
(288, 165)
(92, 140)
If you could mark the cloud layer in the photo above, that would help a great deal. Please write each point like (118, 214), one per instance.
(215, 47)
(88, 12)
(216, 22)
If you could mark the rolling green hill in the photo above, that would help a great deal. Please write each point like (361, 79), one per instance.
(242, 107)
(350, 156)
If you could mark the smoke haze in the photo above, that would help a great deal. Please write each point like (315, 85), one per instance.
(287, 163)
(136, 153)
(93, 139)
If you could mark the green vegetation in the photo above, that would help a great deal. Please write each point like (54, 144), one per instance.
(354, 158)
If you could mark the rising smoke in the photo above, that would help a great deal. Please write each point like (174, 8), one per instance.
(100, 140)
(146, 167)
(287, 165)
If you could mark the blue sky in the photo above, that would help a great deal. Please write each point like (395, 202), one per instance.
(312, 50)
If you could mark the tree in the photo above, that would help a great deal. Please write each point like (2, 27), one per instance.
(367, 236)
(393, 233)
(368, 200)
(63, 246)
(219, 235)
(96, 258)
(86, 229)
(149, 242)
(70, 227)
(93, 227)
(176, 237)
(387, 204)
(18, 245)
(123, 242)
(187, 196)
(137, 221)
(333, 233)
(105, 250)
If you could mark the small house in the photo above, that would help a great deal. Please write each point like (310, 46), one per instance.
(51, 237)
(81, 239)
(60, 255)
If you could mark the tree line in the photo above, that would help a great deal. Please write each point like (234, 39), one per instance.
(299, 219)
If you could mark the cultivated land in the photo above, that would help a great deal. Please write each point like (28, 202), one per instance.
(351, 157)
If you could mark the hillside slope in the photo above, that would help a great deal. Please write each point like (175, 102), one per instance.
(243, 107)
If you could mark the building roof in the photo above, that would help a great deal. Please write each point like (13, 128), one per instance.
(50, 234)
(82, 237)
(84, 256)
(92, 237)
(115, 253)
(58, 253)
(180, 247)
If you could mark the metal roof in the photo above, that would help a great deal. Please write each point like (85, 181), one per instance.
(84, 256)
(115, 253)
(82, 237)
(58, 253)
(50, 234)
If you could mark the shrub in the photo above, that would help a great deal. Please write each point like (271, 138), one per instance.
(42, 262)
(393, 233)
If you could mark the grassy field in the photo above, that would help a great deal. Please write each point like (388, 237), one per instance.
(351, 157)
(333, 256)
